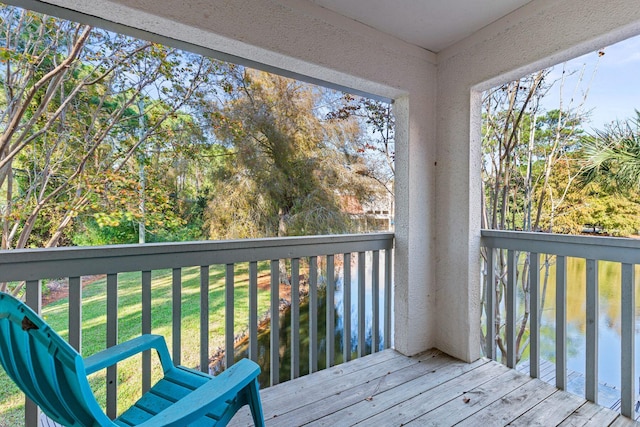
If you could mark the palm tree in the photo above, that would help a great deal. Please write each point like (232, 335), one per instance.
(612, 156)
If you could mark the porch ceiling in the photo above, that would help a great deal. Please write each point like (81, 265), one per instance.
(432, 25)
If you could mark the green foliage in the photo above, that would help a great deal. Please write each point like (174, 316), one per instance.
(94, 232)
(611, 157)
(289, 169)
(91, 108)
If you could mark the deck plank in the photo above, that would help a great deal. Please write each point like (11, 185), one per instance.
(624, 422)
(388, 389)
(511, 405)
(367, 391)
(382, 402)
(418, 405)
(291, 395)
(551, 411)
(590, 414)
(472, 401)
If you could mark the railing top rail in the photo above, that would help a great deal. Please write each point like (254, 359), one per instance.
(35, 264)
(617, 249)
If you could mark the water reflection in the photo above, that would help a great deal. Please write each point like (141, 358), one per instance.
(609, 347)
(242, 349)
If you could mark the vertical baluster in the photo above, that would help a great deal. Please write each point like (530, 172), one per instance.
(512, 265)
(295, 318)
(561, 322)
(491, 304)
(361, 305)
(176, 313)
(628, 316)
(253, 311)
(591, 350)
(375, 302)
(534, 312)
(229, 316)
(330, 318)
(313, 314)
(275, 322)
(33, 299)
(75, 313)
(146, 329)
(112, 339)
(204, 318)
(346, 299)
(388, 263)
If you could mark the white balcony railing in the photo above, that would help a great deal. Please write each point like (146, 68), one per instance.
(512, 253)
(372, 253)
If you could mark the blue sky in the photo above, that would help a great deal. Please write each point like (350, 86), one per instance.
(614, 89)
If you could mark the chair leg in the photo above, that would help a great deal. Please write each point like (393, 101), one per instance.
(254, 404)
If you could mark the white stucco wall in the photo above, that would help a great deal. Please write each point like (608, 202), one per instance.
(540, 34)
(312, 41)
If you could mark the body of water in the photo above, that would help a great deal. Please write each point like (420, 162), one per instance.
(339, 313)
(609, 347)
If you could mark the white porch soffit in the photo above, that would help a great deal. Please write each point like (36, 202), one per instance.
(431, 24)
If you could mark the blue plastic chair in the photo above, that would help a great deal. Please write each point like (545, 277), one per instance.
(52, 374)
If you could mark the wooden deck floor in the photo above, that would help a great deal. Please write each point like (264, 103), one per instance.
(388, 389)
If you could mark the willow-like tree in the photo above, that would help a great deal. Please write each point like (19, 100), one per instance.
(289, 170)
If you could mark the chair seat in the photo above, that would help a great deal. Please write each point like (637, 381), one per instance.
(175, 385)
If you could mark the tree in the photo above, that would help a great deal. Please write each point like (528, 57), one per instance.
(70, 122)
(287, 168)
(70, 93)
(611, 157)
(378, 121)
(523, 145)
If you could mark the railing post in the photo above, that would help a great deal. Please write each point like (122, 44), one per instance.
(362, 351)
(512, 272)
(75, 313)
(561, 322)
(146, 329)
(253, 311)
(491, 304)
(204, 318)
(388, 265)
(346, 315)
(33, 299)
(313, 314)
(176, 314)
(375, 302)
(275, 322)
(628, 318)
(330, 312)
(229, 316)
(591, 349)
(534, 315)
(112, 339)
(295, 318)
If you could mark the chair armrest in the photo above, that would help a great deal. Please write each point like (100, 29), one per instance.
(122, 351)
(202, 400)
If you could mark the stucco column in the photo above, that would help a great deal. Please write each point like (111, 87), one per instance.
(414, 295)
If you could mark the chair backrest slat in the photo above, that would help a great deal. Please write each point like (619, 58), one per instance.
(45, 367)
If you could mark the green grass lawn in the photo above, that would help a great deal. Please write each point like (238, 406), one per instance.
(130, 323)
